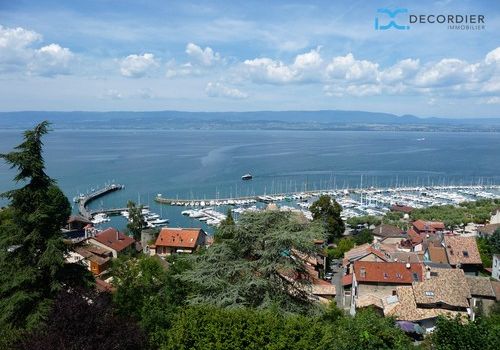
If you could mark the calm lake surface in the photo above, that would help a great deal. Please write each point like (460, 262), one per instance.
(206, 164)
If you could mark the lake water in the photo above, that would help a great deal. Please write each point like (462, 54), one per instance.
(208, 164)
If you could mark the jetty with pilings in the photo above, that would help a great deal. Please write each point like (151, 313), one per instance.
(84, 200)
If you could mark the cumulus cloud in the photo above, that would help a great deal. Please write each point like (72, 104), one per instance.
(136, 66)
(51, 60)
(348, 75)
(205, 57)
(219, 90)
(350, 69)
(493, 56)
(402, 70)
(17, 53)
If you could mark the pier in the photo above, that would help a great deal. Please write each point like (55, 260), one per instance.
(83, 201)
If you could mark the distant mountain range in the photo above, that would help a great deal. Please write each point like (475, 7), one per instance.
(282, 120)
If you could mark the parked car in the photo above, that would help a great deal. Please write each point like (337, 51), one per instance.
(328, 276)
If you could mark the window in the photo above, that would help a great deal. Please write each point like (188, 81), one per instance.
(434, 274)
(362, 272)
(398, 275)
(386, 276)
(465, 253)
(429, 293)
(415, 276)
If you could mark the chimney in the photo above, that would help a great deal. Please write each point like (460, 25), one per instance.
(427, 272)
(117, 235)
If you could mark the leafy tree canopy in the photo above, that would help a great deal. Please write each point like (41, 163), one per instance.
(136, 222)
(327, 211)
(251, 268)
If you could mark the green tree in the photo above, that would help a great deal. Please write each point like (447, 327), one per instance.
(136, 222)
(365, 236)
(136, 280)
(485, 251)
(494, 242)
(252, 268)
(246, 328)
(32, 251)
(226, 228)
(327, 211)
(344, 245)
(457, 334)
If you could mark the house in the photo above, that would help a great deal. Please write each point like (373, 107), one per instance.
(482, 293)
(114, 241)
(413, 243)
(178, 240)
(462, 253)
(435, 253)
(495, 267)
(488, 230)
(77, 223)
(443, 292)
(379, 279)
(424, 228)
(388, 234)
(97, 259)
(402, 209)
(364, 252)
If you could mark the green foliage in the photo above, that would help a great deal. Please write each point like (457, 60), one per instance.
(32, 263)
(455, 334)
(207, 327)
(362, 220)
(393, 216)
(494, 241)
(344, 245)
(136, 220)
(327, 211)
(484, 247)
(365, 236)
(249, 269)
(477, 211)
(226, 229)
(136, 279)
(488, 246)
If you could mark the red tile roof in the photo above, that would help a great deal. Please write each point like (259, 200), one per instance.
(386, 230)
(388, 272)
(414, 237)
(462, 250)
(347, 280)
(114, 239)
(178, 237)
(402, 208)
(422, 225)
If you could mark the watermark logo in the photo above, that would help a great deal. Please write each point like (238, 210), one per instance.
(392, 16)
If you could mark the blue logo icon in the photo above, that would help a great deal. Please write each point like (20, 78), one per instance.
(392, 15)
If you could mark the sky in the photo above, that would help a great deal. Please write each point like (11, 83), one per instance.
(105, 55)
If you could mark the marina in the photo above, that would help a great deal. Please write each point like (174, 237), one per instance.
(354, 201)
(101, 216)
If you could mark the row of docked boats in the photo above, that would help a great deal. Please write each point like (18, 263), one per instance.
(208, 215)
(364, 201)
(152, 219)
